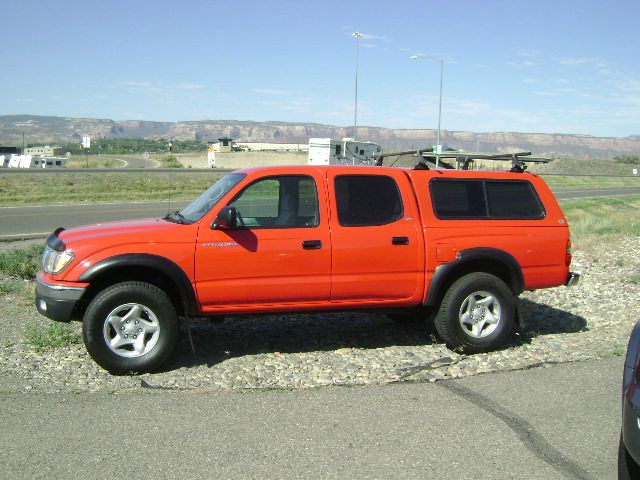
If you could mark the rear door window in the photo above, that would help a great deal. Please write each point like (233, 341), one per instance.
(367, 200)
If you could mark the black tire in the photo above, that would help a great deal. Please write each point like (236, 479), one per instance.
(133, 307)
(628, 469)
(476, 313)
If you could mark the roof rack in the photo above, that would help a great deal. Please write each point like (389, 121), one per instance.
(464, 160)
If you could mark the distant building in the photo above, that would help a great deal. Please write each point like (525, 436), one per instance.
(264, 146)
(9, 150)
(46, 151)
(224, 144)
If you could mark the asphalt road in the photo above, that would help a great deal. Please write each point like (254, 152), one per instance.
(137, 162)
(39, 221)
(577, 193)
(560, 422)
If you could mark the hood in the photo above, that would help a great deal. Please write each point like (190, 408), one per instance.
(148, 230)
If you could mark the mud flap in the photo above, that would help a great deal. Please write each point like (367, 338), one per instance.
(518, 312)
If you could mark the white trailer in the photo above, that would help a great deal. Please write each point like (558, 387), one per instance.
(328, 151)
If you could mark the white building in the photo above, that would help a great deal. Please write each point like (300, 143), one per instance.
(45, 151)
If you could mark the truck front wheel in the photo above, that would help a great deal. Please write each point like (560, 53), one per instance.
(130, 327)
(476, 314)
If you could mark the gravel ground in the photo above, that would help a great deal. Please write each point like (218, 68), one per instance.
(563, 324)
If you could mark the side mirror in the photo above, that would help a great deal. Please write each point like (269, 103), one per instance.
(226, 218)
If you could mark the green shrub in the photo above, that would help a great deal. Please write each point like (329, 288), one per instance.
(171, 162)
(630, 159)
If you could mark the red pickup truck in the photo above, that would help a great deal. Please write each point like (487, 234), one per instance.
(459, 246)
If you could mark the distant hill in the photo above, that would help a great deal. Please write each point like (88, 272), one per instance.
(41, 129)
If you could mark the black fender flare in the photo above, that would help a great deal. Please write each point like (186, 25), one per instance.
(495, 256)
(131, 260)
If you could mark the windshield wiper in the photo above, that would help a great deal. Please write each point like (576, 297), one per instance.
(175, 217)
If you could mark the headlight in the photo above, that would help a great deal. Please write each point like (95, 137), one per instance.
(54, 261)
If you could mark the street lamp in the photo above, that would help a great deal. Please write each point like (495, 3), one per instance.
(357, 36)
(420, 57)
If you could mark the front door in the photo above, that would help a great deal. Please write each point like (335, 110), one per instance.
(279, 254)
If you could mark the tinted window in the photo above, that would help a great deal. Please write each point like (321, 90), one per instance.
(367, 200)
(289, 201)
(485, 199)
(513, 200)
(458, 198)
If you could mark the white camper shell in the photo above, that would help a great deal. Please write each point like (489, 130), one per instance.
(328, 151)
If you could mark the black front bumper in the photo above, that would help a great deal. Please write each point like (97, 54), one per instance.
(57, 302)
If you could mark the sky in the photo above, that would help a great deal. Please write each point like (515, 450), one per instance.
(561, 66)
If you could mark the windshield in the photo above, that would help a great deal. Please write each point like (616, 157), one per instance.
(200, 206)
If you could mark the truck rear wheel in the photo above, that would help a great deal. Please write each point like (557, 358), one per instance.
(476, 314)
(130, 327)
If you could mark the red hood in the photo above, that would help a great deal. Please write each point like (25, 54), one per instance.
(93, 243)
(148, 230)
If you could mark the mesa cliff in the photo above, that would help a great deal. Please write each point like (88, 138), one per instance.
(41, 129)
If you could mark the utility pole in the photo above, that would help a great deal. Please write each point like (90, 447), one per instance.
(357, 36)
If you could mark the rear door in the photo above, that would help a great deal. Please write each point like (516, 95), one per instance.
(375, 251)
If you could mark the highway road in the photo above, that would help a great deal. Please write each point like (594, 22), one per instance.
(582, 193)
(39, 221)
(137, 162)
(560, 422)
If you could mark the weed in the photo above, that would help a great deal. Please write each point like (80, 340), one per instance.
(9, 285)
(21, 263)
(635, 279)
(16, 291)
(55, 335)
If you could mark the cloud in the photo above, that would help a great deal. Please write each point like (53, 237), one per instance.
(523, 64)
(555, 92)
(190, 86)
(370, 36)
(135, 84)
(528, 53)
(578, 61)
(271, 91)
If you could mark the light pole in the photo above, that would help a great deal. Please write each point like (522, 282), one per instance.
(357, 36)
(420, 57)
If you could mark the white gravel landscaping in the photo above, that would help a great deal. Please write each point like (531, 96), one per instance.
(563, 324)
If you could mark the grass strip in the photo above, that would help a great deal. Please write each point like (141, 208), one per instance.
(57, 188)
(594, 220)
